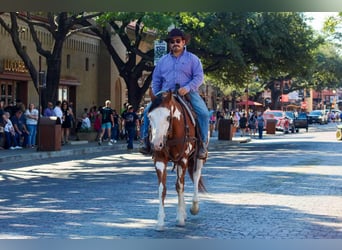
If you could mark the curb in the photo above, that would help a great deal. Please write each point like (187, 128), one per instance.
(83, 147)
(38, 155)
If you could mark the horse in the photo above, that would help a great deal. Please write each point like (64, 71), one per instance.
(173, 138)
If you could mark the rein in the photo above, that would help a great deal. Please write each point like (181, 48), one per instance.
(185, 140)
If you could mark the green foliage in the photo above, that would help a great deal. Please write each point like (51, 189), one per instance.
(230, 44)
(328, 71)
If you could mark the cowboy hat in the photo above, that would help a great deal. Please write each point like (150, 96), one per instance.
(177, 33)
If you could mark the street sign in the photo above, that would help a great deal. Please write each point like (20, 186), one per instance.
(160, 49)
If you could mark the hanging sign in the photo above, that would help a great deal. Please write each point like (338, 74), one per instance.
(160, 49)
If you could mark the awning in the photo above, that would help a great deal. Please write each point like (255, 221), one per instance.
(15, 76)
(70, 81)
(250, 103)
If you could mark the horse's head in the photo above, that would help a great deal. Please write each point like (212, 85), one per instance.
(160, 115)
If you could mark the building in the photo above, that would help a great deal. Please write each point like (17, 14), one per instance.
(88, 75)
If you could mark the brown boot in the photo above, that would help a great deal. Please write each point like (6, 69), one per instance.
(203, 151)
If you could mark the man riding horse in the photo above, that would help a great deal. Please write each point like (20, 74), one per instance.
(184, 68)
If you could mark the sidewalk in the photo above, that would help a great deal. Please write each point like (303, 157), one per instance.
(85, 147)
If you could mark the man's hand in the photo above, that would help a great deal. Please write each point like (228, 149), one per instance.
(182, 91)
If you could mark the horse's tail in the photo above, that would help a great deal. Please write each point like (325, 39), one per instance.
(191, 169)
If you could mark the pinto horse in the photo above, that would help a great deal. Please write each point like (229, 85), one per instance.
(173, 138)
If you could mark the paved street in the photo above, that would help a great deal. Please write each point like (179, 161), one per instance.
(280, 187)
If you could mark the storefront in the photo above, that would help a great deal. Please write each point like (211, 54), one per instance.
(14, 80)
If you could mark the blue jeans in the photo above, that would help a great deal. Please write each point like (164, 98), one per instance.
(260, 130)
(115, 132)
(200, 109)
(32, 136)
(18, 139)
(10, 140)
(131, 135)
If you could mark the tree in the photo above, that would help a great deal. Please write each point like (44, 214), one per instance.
(328, 71)
(60, 25)
(133, 30)
(279, 45)
(230, 45)
(332, 28)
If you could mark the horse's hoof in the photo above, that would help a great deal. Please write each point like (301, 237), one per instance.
(180, 224)
(194, 211)
(159, 228)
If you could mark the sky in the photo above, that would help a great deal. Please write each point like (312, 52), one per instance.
(319, 18)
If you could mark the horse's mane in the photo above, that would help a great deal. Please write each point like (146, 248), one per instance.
(156, 102)
(158, 99)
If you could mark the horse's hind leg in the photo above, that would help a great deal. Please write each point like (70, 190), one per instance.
(161, 173)
(196, 175)
(181, 209)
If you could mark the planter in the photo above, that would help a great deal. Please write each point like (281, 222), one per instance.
(86, 136)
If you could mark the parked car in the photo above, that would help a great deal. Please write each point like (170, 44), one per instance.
(281, 117)
(318, 116)
(301, 120)
(333, 115)
(290, 115)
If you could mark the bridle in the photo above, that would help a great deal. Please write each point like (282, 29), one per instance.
(169, 141)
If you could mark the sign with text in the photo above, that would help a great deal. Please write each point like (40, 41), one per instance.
(160, 49)
(17, 66)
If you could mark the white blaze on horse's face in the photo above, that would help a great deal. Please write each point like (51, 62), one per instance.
(160, 122)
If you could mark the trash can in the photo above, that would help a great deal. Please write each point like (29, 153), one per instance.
(49, 134)
(271, 126)
(225, 129)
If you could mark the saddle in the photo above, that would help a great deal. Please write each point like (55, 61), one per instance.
(188, 107)
(184, 101)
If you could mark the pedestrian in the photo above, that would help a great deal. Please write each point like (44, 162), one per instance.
(67, 120)
(243, 124)
(252, 124)
(58, 111)
(31, 122)
(10, 142)
(236, 122)
(49, 111)
(107, 122)
(260, 123)
(115, 127)
(21, 132)
(131, 123)
(181, 67)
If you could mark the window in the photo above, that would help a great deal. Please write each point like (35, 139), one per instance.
(87, 64)
(6, 89)
(63, 93)
(68, 62)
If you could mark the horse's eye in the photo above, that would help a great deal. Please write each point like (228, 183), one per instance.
(168, 118)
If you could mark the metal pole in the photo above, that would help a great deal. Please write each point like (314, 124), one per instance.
(39, 102)
(246, 106)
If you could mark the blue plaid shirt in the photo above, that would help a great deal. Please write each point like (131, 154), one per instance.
(186, 70)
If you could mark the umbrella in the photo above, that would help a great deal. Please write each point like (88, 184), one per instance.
(250, 103)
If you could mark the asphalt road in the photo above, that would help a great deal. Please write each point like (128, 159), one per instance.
(280, 187)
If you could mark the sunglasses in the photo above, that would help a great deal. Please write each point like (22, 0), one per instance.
(175, 41)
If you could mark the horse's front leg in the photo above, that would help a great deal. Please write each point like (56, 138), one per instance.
(161, 173)
(197, 175)
(181, 209)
